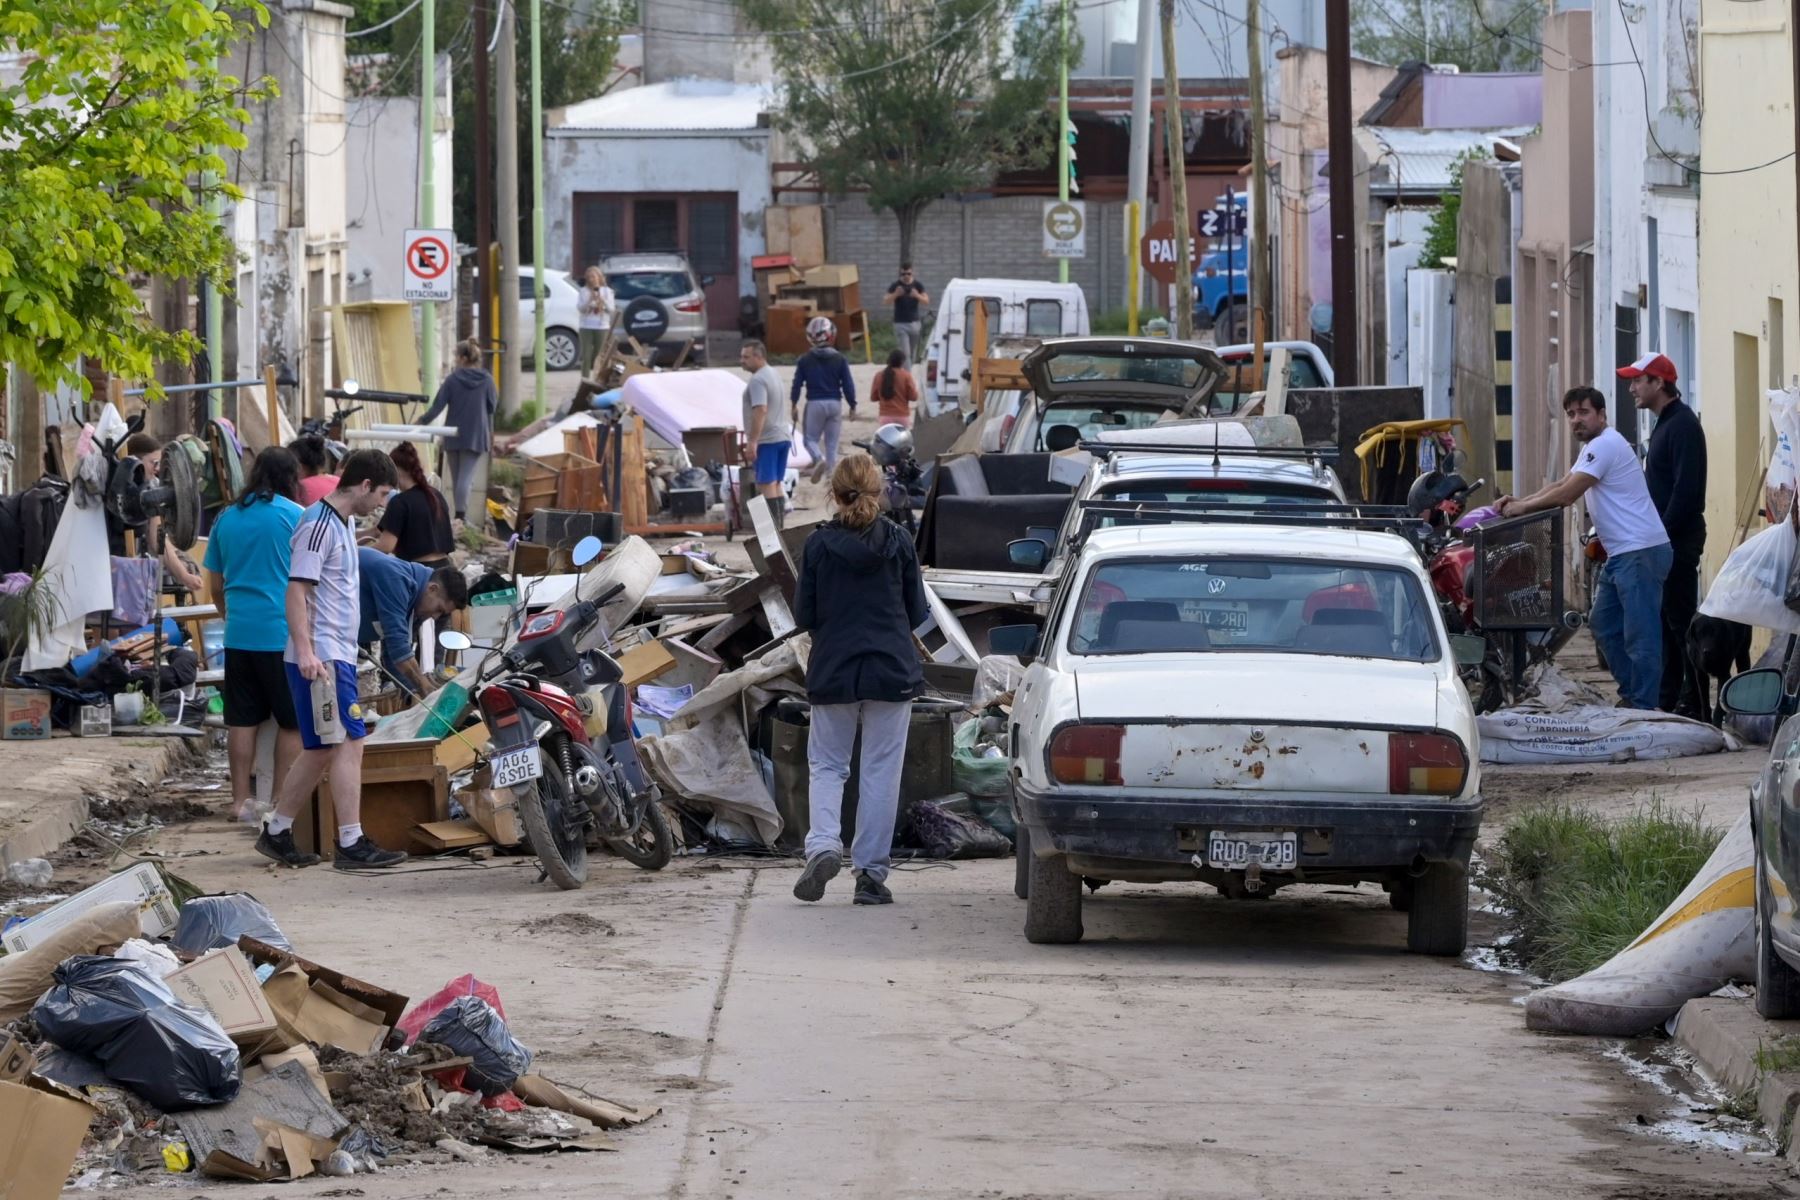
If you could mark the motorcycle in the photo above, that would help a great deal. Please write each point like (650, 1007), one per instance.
(574, 788)
(891, 447)
(331, 428)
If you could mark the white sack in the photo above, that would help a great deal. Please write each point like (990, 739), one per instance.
(1594, 733)
(1784, 462)
(1750, 586)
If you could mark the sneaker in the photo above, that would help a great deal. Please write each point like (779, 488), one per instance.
(871, 891)
(819, 870)
(281, 848)
(364, 853)
(818, 470)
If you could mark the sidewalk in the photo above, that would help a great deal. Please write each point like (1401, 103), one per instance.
(1756, 1063)
(48, 784)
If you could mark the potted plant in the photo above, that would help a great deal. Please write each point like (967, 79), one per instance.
(24, 713)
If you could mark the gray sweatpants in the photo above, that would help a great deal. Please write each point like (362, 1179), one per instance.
(828, 746)
(907, 337)
(462, 474)
(821, 423)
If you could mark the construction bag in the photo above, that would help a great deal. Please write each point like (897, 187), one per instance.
(1752, 585)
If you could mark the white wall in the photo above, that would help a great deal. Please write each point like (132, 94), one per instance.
(382, 194)
(1405, 238)
(1209, 44)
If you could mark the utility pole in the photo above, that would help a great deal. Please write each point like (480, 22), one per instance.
(428, 356)
(1261, 284)
(1343, 203)
(1184, 231)
(1137, 186)
(506, 284)
(537, 193)
(1062, 127)
(484, 184)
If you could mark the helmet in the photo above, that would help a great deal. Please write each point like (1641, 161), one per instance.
(1432, 491)
(891, 445)
(820, 331)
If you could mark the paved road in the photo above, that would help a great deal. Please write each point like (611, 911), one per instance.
(1191, 1047)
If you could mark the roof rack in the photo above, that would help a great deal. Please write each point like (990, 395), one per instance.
(1217, 450)
(1370, 518)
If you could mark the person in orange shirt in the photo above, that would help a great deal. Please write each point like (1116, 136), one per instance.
(895, 392)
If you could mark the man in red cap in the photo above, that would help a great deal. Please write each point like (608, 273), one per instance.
(1676, 474)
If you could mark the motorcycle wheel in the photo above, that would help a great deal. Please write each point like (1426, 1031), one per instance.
(652, 846)
(543, 810)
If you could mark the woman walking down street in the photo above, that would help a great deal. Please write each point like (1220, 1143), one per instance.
(895, 392)
(469, 399)
(860, 597)
(415, 526)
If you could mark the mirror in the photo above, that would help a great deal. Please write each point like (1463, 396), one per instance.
(351, 387)
(1754, 693)
(452, 639)
(587, 550)
(1018, 640)
(1468, 649)
(1028, 554)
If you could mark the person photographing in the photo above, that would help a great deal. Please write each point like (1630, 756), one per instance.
(907, 295)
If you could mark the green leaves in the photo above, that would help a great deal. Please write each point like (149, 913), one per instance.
(110, 132)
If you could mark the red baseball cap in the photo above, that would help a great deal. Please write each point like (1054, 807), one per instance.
(1657, 365)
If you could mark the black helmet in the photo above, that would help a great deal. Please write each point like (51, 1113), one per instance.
(1430, 491)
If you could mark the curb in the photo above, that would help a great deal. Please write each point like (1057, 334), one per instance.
(1727, 1038)
(55, 819)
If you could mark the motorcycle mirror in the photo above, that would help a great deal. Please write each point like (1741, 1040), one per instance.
(587, 550)
(452, 639)
(351, 387)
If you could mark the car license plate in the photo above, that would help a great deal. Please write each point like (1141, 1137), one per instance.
(1235, 851)
(1223, 618)
(517, 766)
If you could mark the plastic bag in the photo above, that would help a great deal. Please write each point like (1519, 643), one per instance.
(214, 922)
(171, 1055)
(943, 832)
(471, 1027)
(420, 1015)
(154, 957)
(1752, 584)
(970, 770)
(1784, 462)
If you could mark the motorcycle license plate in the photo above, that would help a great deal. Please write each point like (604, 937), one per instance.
(517, 766)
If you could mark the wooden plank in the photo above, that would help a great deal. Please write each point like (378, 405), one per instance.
(767, 552)
(634, 494)
(451, 835)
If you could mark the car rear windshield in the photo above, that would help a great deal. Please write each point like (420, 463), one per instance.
(1237, 492)
(663, 285)
(1127, 368)
(1262, 605)
(1089, 421)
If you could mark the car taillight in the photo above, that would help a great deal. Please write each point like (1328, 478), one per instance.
(542, 625)
(499, 707)
(1426, 764)
(690, 306)
(1087, 754)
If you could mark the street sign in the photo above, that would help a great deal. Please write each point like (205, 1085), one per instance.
(1157, 252)
(1065, 229)
(429, 258)
(1219, 222)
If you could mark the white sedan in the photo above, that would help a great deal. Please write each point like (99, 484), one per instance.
(1250, 706)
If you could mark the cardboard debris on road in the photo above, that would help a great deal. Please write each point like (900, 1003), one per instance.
(278, 1126)
(42, 1125)
(141, 885)
(225, 985)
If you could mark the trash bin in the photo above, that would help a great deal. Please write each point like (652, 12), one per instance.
(924, 774)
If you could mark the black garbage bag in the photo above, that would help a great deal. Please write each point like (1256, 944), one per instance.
(173, 1056)
(942, 830)
(471, 1027)
(212, 922)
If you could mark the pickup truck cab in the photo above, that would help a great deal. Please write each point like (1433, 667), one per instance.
(1250, 705)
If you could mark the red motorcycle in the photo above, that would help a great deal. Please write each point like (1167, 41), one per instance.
(574, 788)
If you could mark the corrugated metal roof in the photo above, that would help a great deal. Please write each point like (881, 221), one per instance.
(1421, 160)
(680, 105)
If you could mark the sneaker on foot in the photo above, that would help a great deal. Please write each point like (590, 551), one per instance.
(871, 891)
(818, 470)
(281, 848)
(819, 870)
(364, 853)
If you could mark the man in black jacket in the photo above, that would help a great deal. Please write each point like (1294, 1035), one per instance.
(1676, 474)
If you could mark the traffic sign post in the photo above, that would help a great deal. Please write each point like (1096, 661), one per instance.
(1065, 229)
(1219, 222)
(430, 254)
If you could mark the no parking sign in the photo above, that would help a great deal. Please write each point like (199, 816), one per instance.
(429, 257)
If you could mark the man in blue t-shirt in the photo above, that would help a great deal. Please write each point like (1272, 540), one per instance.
(246, 574)
(396, 596)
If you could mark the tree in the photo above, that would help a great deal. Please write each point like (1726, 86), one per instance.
(913, 99)
(1473, 35)
(112, 136)
(1441, 230)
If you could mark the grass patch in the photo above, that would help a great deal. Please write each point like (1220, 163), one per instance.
(512, 423)
(1580, 888)
(506, 473)
(1782, 1054)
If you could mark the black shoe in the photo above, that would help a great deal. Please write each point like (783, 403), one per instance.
(819, 870)
(871, 891)
(281, 848)
(364, 853)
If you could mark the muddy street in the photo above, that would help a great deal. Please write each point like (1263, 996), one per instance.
(1190, 1046)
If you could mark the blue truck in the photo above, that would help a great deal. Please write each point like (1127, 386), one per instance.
(1222, 294)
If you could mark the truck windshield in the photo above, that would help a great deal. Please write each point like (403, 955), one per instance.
(1262, 605)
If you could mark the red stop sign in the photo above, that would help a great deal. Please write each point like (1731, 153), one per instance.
(1158, 251)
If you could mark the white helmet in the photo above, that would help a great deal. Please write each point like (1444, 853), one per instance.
(820, 331)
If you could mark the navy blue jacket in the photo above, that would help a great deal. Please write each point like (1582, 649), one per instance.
(861, 597)
(391, 591)
(1676, 473)
(825, 375)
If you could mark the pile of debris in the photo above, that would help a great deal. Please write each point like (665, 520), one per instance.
(142, 1033)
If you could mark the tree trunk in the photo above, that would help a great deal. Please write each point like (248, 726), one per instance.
(908, 215)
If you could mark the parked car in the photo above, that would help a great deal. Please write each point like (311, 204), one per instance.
(1015, 308)
(562, 318)
(669, 282)
(1775, 841)
(1082, 387)
(1249, 706)
(1308, 367)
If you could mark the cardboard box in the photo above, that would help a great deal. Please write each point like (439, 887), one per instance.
(308, 1010)
(225, 985)
(497, 812)
(1070, 466)
(140, 885)
(832, 275)
(644, 663)
(460, 749)
(390, 1006)
(41, 1128)
(439, 836)
(24, 715)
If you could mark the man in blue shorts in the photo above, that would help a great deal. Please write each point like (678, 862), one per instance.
(768, 424)
(323, 614)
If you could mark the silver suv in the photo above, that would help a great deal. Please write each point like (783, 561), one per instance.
(671, 290)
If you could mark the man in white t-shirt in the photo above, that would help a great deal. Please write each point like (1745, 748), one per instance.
(1627, 612)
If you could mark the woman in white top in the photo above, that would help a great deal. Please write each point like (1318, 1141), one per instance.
(596, 317)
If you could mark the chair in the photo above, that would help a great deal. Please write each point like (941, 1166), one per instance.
(1061, 437)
